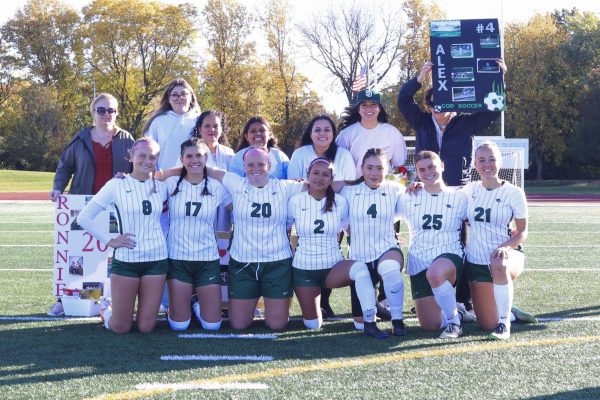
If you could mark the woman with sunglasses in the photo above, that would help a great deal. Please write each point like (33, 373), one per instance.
(94, 155)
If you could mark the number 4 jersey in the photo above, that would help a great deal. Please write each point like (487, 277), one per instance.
(434, 222)
(490, 213)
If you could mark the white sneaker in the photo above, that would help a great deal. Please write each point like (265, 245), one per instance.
(56, 310)
(104, 304)
(452, 331)
(502, 332)
(467, 316)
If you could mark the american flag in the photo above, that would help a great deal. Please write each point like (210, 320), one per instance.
(360, 82)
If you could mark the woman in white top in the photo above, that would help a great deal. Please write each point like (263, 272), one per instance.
(435, 254)
(171, 124)
(373, 203)
(494, 257)
(319, 215)
(257, 133)
(194, 199)
(211, 127)
(139, 263)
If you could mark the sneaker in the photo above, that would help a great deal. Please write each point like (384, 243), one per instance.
(104, 304)
(398, 328)
(371, 329)
(383, 310)
(327, 311)
(500, 333)
(452, 331)
(467, 316)
(195, 304)
(56, 310)
(523, 317)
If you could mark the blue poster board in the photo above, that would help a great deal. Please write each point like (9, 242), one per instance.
(466, 77)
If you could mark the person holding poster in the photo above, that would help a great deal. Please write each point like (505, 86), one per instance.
(92, 158)
(139, 265)
(451, 136)
(194, 267)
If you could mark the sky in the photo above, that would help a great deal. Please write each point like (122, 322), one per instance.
(302, 10)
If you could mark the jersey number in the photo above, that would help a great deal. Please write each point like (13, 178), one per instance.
(319, 224)
(261, 210)
(479, 211)
(146, 207)
(188, 208)
(372, 211)
(432, 221)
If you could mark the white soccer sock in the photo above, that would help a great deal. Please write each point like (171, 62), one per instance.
(358, 326)
(313, 323)
(363, 284)
(503, 294)
(393, 285)
(178, 326)
(445, 297)
(211, 326)
(196, 308)
(106, 316)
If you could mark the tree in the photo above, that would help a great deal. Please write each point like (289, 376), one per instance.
(347, 38)
(134, 48)
(541, 88)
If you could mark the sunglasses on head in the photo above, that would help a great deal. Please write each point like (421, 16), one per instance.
(103, 110)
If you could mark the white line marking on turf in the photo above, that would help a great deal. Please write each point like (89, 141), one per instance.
(202, 386)
(270, 336)
(215, 358)
(26, 269)
(568, 319)
(26, 245)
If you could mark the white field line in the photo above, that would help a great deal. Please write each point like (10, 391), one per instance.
(202, 386)
(215, 358)
(266, 336)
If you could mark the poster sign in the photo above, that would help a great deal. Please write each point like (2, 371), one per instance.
(80, 260)
(466, 76)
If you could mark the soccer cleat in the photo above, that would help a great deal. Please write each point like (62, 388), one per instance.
(371, 329)
(452, 331)
(327, 311)
(56, 310)
(500, 333)
(398, 328)
(522, 316)
(467, 316)
(104, 304)
(383, 311)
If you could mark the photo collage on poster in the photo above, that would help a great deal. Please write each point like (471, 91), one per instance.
(465, 75)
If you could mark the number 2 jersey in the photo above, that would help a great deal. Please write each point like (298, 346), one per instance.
(372, 213)
(490, 213)
(434, 223)
(138, 207)
(318, 246)
(192, 219)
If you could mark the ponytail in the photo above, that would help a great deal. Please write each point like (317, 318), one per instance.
(181, 176)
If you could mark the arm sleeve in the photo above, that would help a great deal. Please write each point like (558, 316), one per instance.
(231, 181)
(343, 140)
(291, 206)
(400, 151)
(236, 165)
(407, 106)
(343, 206)
(482, 119)
(519, 204)
(65, 168)
(86, 219)
(295, 170)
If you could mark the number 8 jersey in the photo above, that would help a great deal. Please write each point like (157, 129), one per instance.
(490, 213)
(372, 213)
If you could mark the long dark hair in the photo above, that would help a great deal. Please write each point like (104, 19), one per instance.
(350, 115)
(329, 192)
(369, 153)
(164, 105)
(224, 127)
(192, 142)
(307, 139)
(272, 142)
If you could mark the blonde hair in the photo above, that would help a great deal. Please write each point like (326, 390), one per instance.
(101, 96)
(493, 147)
(153, 145)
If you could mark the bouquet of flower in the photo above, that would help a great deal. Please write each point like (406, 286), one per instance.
(399, 174)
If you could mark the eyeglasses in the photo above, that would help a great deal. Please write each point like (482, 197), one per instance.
(103, 110)
(177, 96)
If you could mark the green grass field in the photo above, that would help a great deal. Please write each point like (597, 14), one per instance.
(559, 358)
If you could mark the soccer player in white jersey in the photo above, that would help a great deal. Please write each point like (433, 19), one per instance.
(373, 203)
(193, 254)
(493, 256)
(139, 264)
(435, 254)
(261, 256)
(319, 215)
